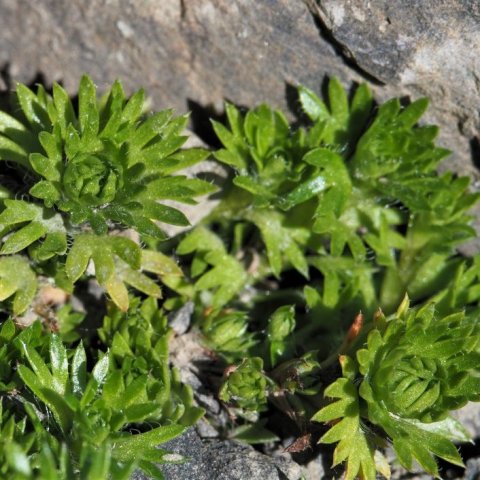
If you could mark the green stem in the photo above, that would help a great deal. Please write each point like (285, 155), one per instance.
(398, 278)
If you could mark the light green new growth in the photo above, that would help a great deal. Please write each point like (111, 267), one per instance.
(85, 189)
(326, 283)
(94, 171)
(352, 201)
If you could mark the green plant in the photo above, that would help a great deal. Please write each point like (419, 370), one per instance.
(354, 203)
(326, 281)
(84, 192)
(76, 418)
(415, 369)
(91, 173)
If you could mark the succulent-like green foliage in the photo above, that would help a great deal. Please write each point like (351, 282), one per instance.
(273, 175)
(247, 385)
(277, 375)
(88, 188)
(292, 178)
(226, 276)
(22, 286)
(385, 223)
(139, 348)
(322, 226)
(346, 188)
(422, 366)
(77, 417)
(355, 448)
(280, 325)
(14, 445)
(88, 171)
(354, 202)
(415, 368)
(227, 333)
(118, 261)
(103, 163)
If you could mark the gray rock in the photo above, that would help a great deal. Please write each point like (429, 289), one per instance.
(384, 37)
(472, 472)
(180, 319)
(205, 429)
(193, 361)
(202, 50)
(469, 417)
(315, 468)
(223, 460)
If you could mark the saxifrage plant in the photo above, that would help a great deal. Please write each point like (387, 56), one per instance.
(327, 279)
(88, 173)
(82, 191)
(354, 203)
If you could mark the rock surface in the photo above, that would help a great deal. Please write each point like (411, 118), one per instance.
(224, 460)
(469, 417)
(472, 472)
(202, 50)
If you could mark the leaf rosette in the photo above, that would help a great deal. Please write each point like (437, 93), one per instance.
(281, 173)
(227, 332)
(247, 386)
(415, 369)
(356, 181)
(91, 171)
(91, 180)
(104, 163)
(422, 367)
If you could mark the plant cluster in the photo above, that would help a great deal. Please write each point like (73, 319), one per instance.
(327, 279)
(82, 193)
(376, 335)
